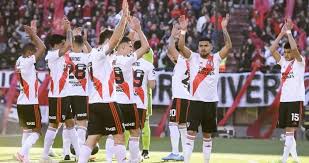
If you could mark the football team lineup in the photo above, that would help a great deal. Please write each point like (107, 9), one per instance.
(105, 92)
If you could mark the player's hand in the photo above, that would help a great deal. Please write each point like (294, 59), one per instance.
(183, 22)
(284, 29)
(77, 31)
(85, 36)
(66, 24)
(175, 30)
(225, 21)
(34, 26)
(29, 31)
(125, 9)
(289, 24)
(135, 24)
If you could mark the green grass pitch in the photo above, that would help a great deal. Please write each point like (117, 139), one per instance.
(224, 150)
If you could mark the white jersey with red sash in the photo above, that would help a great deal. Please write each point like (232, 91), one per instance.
(143, 71)
(27, 80)
(204, 75)
(181, 79)
(58, 73)
(101, 87)
(78, 74)
(123, 70)
(293, 87)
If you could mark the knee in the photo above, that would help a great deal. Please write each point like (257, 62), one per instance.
(207, 135)
(192, 133)
(119, 139)
(53, 125)
(69, 123)
(135, 132)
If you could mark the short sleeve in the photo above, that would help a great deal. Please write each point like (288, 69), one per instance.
(217, 57)
(52, 56)
(101, 52)
(152, 73)
(281, 61)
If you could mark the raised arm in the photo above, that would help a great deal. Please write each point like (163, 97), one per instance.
(172, 52)
(88, 47)
(183, 22)
(151, 84)
(136, 26)
(69, 37)
(37, 42)
(295, 52)
(118, 33)
(227, 40)
(274, 46)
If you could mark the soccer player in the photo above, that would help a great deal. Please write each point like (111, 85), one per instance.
(181, 97)
(59, 108)
(27, 103)
(204, 75)
(144, 78)
(104, 114)
(123, 65)
(293, 89)
(77, 81)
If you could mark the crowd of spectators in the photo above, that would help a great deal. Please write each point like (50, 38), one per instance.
(157, 17)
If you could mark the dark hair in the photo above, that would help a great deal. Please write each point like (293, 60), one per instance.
(287, 45)
(137, 45)
(124, 40)
(28, 47)
(55, 39)
(78, 40)
(104, 35)
(204, 39)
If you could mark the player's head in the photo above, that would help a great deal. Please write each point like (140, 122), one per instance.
(137, 45)
(204, 46)
(56, 41)
(78, 41)
(287, 51)
(125, 46)
(105, 36)
(28, 49)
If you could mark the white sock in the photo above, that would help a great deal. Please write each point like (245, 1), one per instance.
(183, 135)
(207, 146)
(66, 141)
(85, 153)
(33, 137)
(74, 140)
(48, 141)
(109, 145)
(81, 132)
(287, 146)
(293, 151)
(188, 148)
(174, 135)
(134, 149)
(26, 134)
(120, 153)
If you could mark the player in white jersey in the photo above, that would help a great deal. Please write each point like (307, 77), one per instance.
(104, 115)
(181, 97)
(143, 78)
(27, 103)
(292, 88)
(77, 82)
(123, 70)
(204, 75)
(59, 108)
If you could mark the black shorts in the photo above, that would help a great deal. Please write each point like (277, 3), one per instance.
(142, 117)
(202, 113)
(29, 116)
(290, 114)
(130, 116)
(79, 106)
(179, 110)
(105, 119)
(59, 109)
